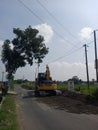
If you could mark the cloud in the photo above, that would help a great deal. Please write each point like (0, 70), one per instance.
(1, 43)
(64, 70)
(85, 33)
(45, 30)
(11, 46)
(59, 71)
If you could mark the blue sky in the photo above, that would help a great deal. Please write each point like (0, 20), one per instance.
(65, 24)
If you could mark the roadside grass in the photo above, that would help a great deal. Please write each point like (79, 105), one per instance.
(62, 86)
(12, 86)
(85, 90)
(8, 116)
(28, 85)
(82, 88)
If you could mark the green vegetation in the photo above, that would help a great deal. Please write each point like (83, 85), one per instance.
(82, 88)
(85, 90)
(95, 94)
(62, 86)
(28, 85)
(28, 47)
(8, 116)
(25, 83)
(12, 86)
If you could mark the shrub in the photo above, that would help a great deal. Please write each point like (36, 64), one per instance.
(95, 94)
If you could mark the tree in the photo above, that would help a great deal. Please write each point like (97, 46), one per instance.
(27, 47)
(75, 79)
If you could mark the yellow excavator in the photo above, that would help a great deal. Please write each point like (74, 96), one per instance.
(44, 84)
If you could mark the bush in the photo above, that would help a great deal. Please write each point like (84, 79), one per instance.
(77, 88)
(28, 85)
(95, 94)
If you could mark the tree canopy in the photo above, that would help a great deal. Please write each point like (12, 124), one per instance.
(28, 46)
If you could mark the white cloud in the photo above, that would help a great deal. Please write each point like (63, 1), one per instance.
(65, 70)
(1, 43)
(11, 46)
(45, 30)
(85, 33)
(59, 71)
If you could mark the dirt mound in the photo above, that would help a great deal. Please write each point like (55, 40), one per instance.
(81, 97)
(72, 102)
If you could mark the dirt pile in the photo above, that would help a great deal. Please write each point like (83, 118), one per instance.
(81, 97)
(72, 102)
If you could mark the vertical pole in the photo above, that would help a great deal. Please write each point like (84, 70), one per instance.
(96, 64)
(38, 66)
(86, 65)
(38, 76)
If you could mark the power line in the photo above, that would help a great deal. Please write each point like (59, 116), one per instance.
(29, 10)
(56, 20)
(65, 55)
(40, 19)
(70, 52)
(54, 30)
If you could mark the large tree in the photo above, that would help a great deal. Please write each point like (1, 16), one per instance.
(28, 46)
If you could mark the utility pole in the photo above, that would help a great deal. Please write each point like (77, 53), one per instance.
(96, 63)
(37, 79)
(86, 64)
(38, 66)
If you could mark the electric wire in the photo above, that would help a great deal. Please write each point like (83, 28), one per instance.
(59, 23)
(54, 31)
(55, 19)
(68, 54)
(40, 19)
(81, 68)
(63, 56)
(30, 10)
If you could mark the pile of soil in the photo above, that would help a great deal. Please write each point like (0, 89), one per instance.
(81, 97)
(72, 102)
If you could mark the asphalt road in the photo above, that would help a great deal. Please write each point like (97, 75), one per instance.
(34, 115)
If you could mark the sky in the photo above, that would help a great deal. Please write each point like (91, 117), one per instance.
(66, 26)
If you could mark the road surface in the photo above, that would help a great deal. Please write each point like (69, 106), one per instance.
(33, 115)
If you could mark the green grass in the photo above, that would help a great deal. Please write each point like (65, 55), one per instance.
(62, 86)
(28, 85)
(83, 88)
(8, 116)
(12, 85)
